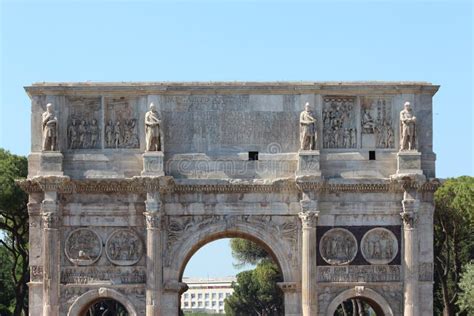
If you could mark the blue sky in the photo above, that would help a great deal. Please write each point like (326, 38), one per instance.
(243, 41)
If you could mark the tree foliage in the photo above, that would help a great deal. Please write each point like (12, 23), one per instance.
(14, 227)
(453, 240)
(256, 291)
(466, 297)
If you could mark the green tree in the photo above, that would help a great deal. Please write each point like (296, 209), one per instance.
(466, 297)
(256, 291)
(453, 240)
(14, 226)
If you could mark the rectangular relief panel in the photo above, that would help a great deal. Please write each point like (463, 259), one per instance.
(339, 122)
(121, 123)
(376, 123)
(84, 123)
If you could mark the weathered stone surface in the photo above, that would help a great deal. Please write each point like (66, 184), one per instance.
(349, 218)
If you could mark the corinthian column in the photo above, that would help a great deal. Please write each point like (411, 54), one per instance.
(410, 257)
(309, 218)
(51, 243)
(153, 259)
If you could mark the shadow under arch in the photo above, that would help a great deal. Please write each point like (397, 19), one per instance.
(376, 301)
(266, 240)
(81, 304)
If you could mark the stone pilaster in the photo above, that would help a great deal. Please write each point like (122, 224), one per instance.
(291, 298)
(154, 279)
(309, 219)
(410, 257)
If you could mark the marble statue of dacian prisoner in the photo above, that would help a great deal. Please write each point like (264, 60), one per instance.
(407, 128)
(50, 122)
(152, 127)
(308, 133)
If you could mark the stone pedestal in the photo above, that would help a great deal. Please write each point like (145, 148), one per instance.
(308, 163)
(51, 163)
(153, 164)
(409, 163)
(309, 219)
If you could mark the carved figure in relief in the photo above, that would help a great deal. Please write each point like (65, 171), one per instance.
(83, 246)
(72, 134)
(82, 130)
(124, 247)
(368, 123)
(152, 126)
(407, 128)
(117, 135)
(50, 122)
(109, 134)
(94, 133)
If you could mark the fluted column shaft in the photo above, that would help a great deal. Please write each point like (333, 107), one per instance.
(51, 254)
(309, 218)
(410, 258)
(154, 279)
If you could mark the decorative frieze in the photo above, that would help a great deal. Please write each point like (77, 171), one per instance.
(101, 275)
(359, 273)
(83, 123)
(121, 124)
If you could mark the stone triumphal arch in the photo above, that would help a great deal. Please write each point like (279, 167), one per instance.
(127, 180)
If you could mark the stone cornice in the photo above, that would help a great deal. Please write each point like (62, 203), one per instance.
(186, 88)
(167, 184)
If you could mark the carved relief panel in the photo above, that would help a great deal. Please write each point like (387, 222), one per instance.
(339, 122)
(124, 247)
(84, 123)
(376, 122)
(83, 246)
(379, 246)
(338, 246)
(121, 124)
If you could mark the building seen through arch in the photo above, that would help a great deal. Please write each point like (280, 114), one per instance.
(127, 180)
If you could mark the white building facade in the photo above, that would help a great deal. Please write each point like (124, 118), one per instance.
(206, 295)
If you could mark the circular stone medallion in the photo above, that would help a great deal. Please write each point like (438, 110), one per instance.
(83, 246)
(379, 246)
(338, 246)
(124, 247)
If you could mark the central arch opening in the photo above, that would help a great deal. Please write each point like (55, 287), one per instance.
(105, 307)
(359, 306)
(249, 280)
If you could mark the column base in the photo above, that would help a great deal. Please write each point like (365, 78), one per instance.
(51, 164)
(308, 164)
(153, 164)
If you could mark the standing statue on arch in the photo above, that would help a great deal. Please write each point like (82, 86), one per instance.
(152, 129)
(308, 132)
(407, 128)
(50, 122)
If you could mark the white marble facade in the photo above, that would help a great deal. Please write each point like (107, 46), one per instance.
(348, 217)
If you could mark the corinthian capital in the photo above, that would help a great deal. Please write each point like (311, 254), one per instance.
(309, 219)
(153, 219)
(50, 220)
(409, 219)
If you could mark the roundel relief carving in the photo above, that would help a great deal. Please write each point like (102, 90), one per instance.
(83, 246)
(338, 246)
(379, 246)
(124, 247)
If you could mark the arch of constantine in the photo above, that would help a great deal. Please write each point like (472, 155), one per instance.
(128, 180)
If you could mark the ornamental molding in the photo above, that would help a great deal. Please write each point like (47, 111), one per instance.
(167, 184)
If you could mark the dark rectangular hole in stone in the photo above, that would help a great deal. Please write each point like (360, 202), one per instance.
(253, 155)
(371, 154)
